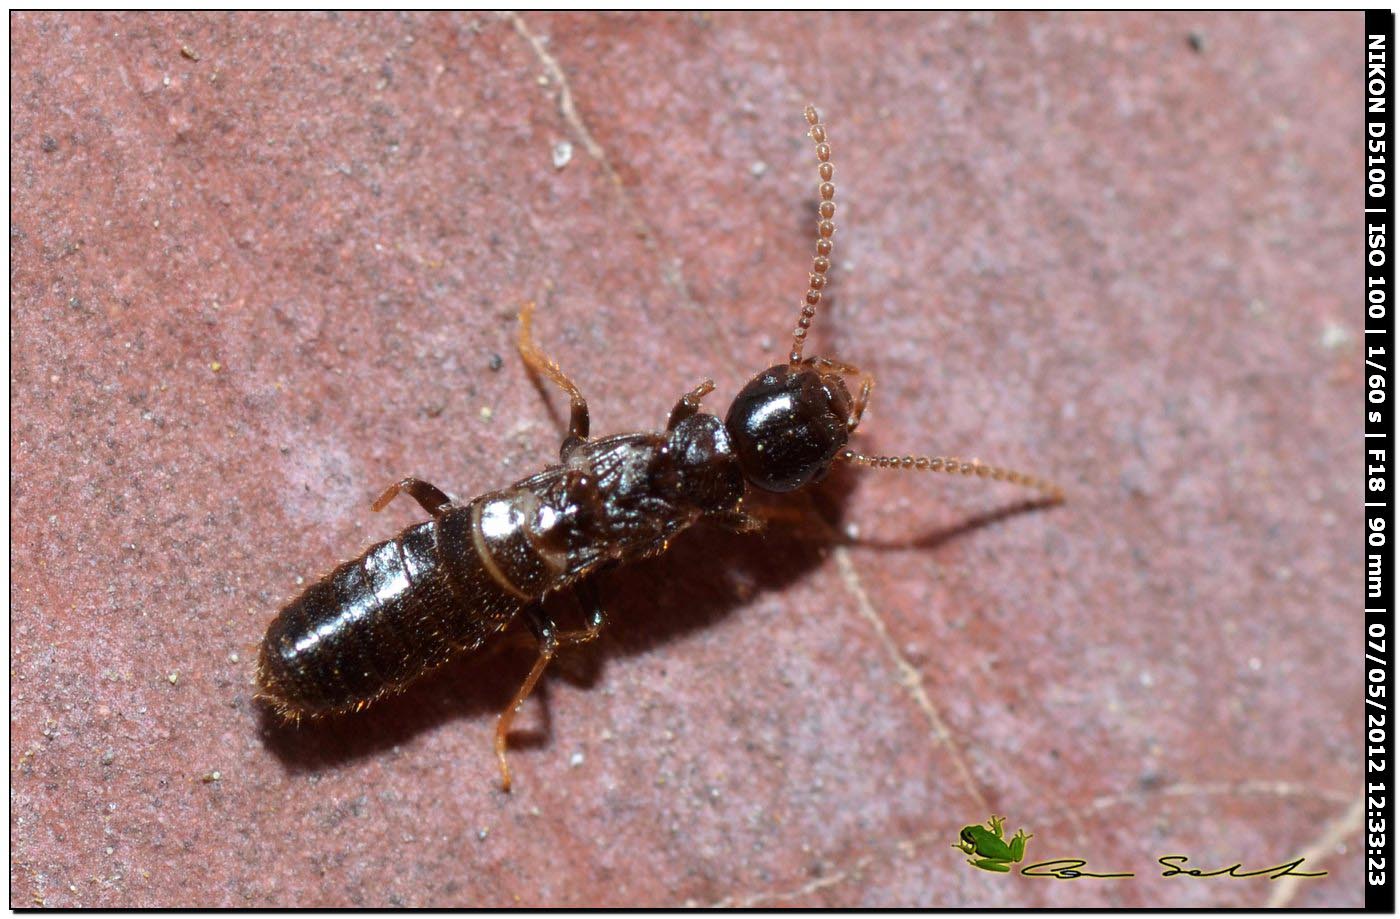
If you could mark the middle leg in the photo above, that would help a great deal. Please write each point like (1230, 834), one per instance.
(538, 361)
(586, 592)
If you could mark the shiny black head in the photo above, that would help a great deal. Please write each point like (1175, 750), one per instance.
(787, 425)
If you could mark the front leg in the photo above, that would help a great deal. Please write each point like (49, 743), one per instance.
(738, 521)
(867, 382)
(689, 404)
(797, 522)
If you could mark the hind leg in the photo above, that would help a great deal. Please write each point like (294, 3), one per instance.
(430, 497)
(542, 363)
(551, 640)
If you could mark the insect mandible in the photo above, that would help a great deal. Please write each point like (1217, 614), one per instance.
(441, 588)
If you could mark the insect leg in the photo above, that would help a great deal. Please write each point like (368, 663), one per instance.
(689, 403)
(867, 383)
(544, 631)
(586, 592)
(550, 641)
(740, 521)
(542, 363)
(429, 496)
(800, 523)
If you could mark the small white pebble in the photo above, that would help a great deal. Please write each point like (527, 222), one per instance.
(576, 760)
(486, 413)
(1145, 678)
(174, 677)
(1335, 335)
(482, 833)
(233, 657)
(563, 152)
(1255, 663)
(758, 168)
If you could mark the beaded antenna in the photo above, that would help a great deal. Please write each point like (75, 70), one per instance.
(816, 283)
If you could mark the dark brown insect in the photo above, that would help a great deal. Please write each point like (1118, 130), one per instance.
(441, 588)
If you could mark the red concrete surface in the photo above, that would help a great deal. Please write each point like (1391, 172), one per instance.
(262, 266)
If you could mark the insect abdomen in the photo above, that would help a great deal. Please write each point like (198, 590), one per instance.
(380, 621)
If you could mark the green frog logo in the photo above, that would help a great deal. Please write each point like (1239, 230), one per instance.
(989, 847)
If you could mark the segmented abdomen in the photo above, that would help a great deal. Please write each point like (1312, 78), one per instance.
(380, 621)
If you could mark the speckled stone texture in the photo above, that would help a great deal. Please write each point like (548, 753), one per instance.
(264, 265)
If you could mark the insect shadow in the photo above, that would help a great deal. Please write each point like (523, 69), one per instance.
(705, 576)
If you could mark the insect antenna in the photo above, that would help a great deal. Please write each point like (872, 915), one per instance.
(821, 263)
(955, 466)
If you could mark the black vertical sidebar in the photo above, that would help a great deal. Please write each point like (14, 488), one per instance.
(1380, 357)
